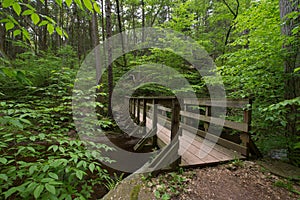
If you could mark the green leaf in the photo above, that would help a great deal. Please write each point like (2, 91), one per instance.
(53, 175)
(45, 168)
(9, 192)
(9, 25)
(16, 123)
(47, 180)
(88, 5)
(3, 160)
(78, 2)
(92, 167)
(59, 31)
(25, 34)
(17, 8)
(32, 169)
(27, 12)
(50, 188)
(7, 3)
(43, 23)
(61, 149)
(66, 34)
(25, 120)
(165, 196)
(17, 32)
(96, 8)
(22, 79)
(3, 177)
(69, 2)
(31, 149)
(38, 190)
(35, 18)
(81, 163)
(31, 187)
(55, 148)
(50, 28)
(59, 2)
(79, 174)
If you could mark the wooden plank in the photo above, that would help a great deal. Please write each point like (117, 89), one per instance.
(219, 140)
(143, 140)
(198, 149)
(218, 121)
(225, 143)
(165, 157)
(164, 109)
(226, 152)
(232, 103)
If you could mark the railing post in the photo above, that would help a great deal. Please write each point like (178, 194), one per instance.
(175, 130)
(154, 122)
(245, 136)
(133, 105)
(130, 107)
(207, 114)
(144, 112)
(138, 111)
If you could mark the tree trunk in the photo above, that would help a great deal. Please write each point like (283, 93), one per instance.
(292, 80)
(120, 31)
(109, 56)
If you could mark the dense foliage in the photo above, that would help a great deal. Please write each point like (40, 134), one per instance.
(41, 154)
(42, 44)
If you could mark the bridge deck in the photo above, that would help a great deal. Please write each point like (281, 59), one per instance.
(195, 150)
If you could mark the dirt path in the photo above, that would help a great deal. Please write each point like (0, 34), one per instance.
(238, 181)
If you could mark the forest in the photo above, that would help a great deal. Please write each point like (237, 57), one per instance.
(254, 45)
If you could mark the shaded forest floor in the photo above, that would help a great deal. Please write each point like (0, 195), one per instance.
(249, 180)
(235, 181)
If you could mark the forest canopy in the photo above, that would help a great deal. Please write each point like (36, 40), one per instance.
(253, 43)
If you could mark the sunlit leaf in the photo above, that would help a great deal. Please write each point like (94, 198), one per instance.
(88, 5)
(50, 29)
(17, 32)
(35, 18)
(9, 25)
(7, 3)
(17, 8)
(27, 12)
(59, 31)
(68, 2)
(96, 8)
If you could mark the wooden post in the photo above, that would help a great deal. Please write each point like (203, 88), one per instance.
(138, 111)
(207, 114)
(184, 118)
(175, 122)
(154, 123)
(133, 104)
(144, 111)
(245, 136)
(130, 107)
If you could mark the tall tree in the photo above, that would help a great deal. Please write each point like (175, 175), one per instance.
(109, 52)
(291, 62)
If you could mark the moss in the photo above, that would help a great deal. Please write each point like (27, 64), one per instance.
(134, 194)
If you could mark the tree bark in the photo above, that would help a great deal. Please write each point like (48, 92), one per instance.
(120, 31)
(292, 80)
(109, 56)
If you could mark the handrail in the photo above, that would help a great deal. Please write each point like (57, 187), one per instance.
(180, 117)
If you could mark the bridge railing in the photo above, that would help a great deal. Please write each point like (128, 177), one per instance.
(175, 118)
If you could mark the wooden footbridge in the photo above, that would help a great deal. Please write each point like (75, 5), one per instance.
(191, 130)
